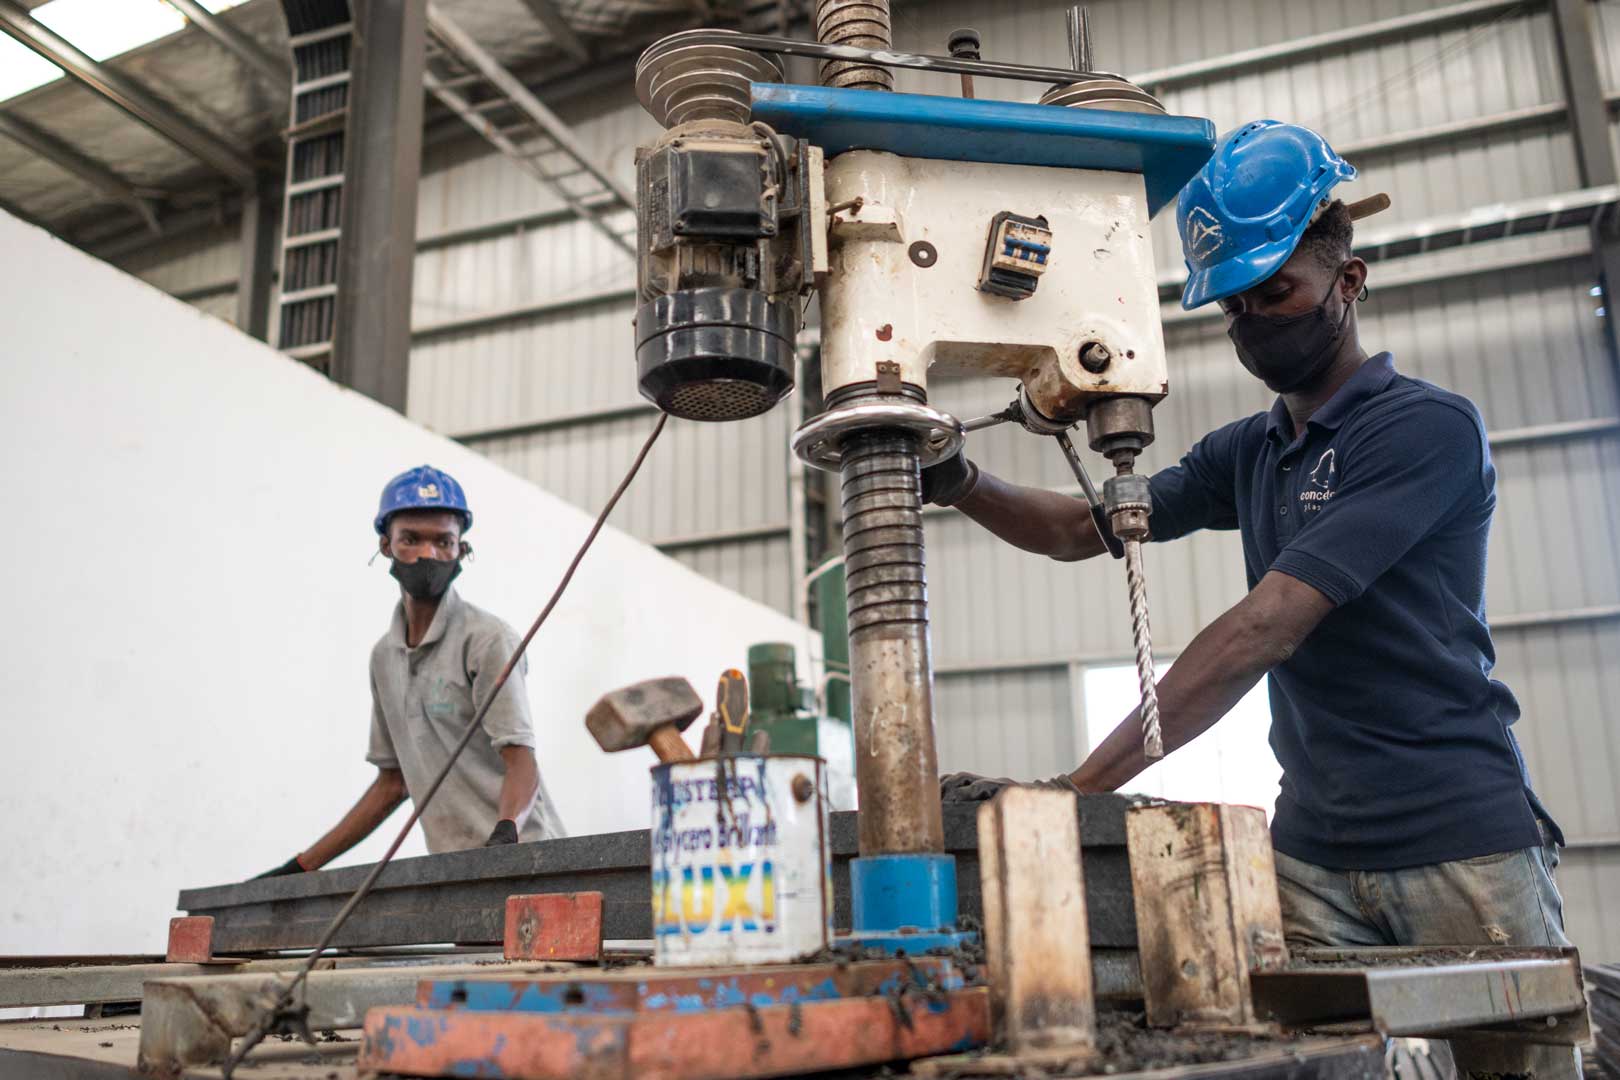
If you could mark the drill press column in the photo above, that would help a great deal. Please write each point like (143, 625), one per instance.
(890, 670)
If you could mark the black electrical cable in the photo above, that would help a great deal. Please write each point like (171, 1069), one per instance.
(278, 1009)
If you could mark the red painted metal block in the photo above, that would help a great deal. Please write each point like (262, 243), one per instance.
(554, 926)
(718, 1044)
(786, 1039)
(191, 939)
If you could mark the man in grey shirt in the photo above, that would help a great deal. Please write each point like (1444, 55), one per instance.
(431, 671)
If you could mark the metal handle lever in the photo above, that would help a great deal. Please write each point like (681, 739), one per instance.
(1098, 517)
(991, 420)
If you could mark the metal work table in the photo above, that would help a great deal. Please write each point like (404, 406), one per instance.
(459, 897)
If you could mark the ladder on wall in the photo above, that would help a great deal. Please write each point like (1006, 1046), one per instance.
(311, 218)
(493, 102)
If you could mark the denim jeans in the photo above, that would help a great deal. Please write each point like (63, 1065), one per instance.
(1503, 899)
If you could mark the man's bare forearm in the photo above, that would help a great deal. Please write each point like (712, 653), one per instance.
(380, 799)
(1221, 664)
(520, 784)
(1034, 519)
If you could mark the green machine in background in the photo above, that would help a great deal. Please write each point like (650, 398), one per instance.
(788, 711)
(779, 705)
(833, 606)
(776, 703)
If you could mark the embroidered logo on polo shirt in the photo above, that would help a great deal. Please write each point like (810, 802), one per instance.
(441, 707)
(1321, 481)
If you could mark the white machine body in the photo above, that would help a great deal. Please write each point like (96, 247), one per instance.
(908, 240)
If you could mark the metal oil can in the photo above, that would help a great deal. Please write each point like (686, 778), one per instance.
(741, 861)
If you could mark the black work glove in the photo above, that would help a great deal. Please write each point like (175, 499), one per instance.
(950, 481)
(966, 787)
(505, 833)
(291, 866)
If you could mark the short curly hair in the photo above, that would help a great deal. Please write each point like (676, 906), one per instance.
(1329, 238)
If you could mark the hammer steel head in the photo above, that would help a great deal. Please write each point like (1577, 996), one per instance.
(625, 718)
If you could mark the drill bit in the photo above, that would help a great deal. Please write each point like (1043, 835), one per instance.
(1129, 500)
(1136, 580)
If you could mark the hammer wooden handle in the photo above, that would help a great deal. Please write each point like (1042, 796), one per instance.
(667, 743)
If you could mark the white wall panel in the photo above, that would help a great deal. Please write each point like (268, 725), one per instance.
(219, 720)
(1003, 724)
(756, 568)
(186, 262)
(700, 478)
(532, 369)
(1587, 880)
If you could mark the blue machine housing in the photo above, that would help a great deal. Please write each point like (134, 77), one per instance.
(1166, 150)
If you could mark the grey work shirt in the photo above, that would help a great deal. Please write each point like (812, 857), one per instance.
(422, 700)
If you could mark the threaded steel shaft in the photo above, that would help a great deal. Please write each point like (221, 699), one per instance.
(1136, 580)
(883, 533)
(864, 24)
(891, 673)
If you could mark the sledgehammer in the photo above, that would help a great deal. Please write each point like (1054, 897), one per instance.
(651, 713)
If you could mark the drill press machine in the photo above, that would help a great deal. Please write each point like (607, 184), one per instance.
(943, 235)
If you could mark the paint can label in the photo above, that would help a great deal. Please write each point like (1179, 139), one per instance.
(741, 866)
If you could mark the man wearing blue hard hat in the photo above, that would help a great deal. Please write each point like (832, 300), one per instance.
(429, 674)
(1364, 499)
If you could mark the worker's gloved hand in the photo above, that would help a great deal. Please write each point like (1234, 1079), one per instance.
(950, 481)
(291, 866)
(505, 833)
(966, 787)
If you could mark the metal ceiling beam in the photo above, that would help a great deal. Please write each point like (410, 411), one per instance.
(382, 165)
(275, 69)
(545, 11)
(125, 93)
(459, 45)
(1594, 150)
(256, 259)
(69, 160)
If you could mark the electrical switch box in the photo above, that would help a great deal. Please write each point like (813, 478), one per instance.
(1015, 255)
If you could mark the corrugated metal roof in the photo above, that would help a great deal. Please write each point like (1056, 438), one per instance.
(211, 86)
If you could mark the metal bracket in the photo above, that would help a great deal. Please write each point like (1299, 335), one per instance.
(817, 440)
(888, 377)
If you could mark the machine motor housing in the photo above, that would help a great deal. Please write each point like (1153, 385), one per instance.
(725, 252)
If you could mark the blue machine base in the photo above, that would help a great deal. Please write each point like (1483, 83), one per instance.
(894, 943)
(904, 903)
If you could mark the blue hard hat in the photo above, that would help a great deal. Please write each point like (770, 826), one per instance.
(421, 488)
(1241, 217)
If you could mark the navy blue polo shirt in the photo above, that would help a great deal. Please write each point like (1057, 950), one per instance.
(1395, 741)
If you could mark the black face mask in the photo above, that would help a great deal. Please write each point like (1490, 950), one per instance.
(426, 579)
(1287, 352)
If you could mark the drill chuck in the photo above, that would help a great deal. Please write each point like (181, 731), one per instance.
(1128, 501)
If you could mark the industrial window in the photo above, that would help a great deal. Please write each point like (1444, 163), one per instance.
(1231, 763)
